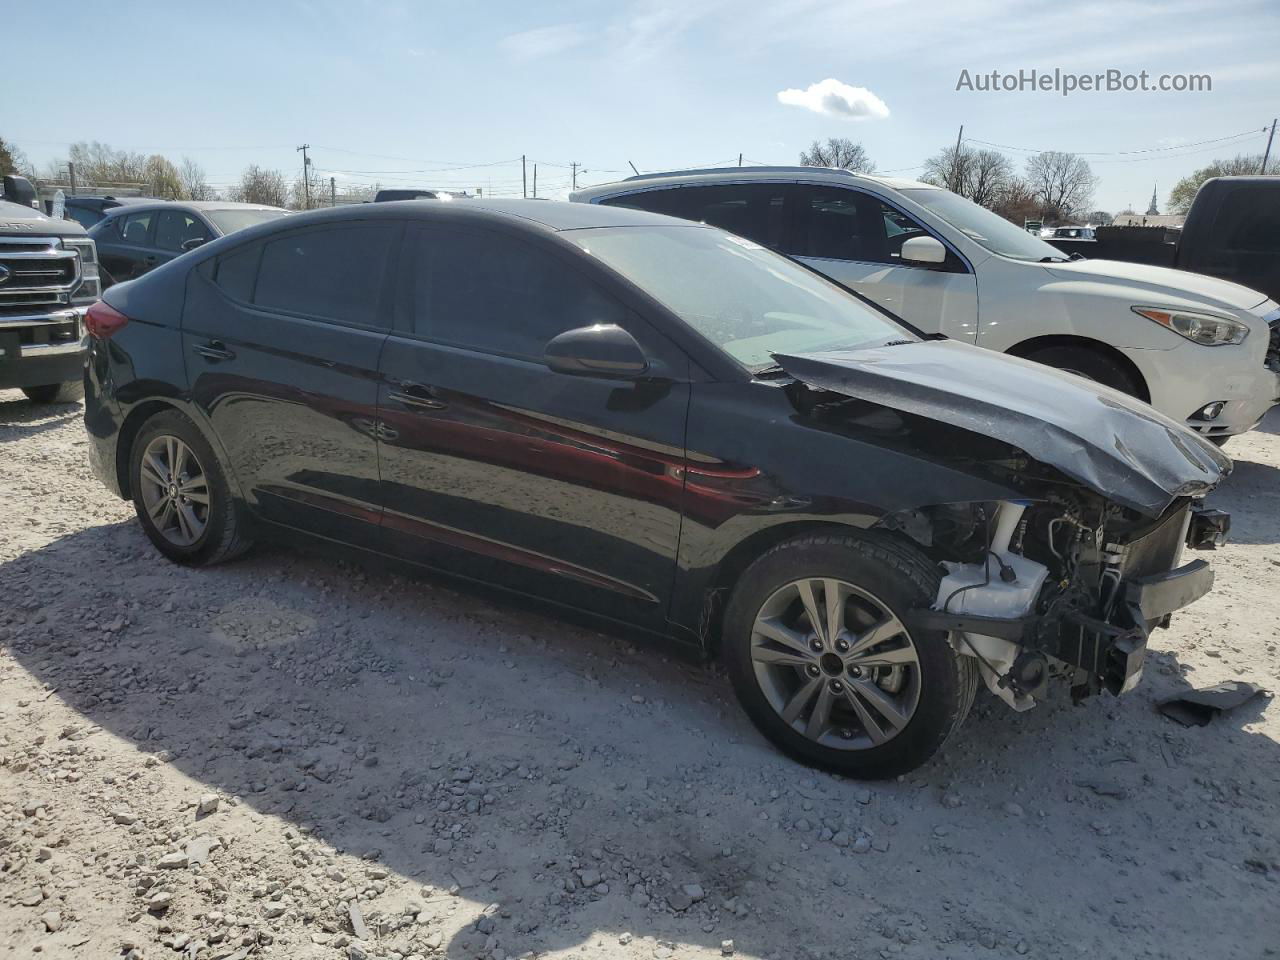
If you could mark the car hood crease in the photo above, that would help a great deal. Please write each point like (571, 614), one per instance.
(1110, 442)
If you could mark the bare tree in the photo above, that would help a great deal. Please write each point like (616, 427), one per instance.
(1184, 191)
(194, 185)
(838, 152)
(163, 181)
(949, 169)
(260, 186)
(13, 160)
(1017, 201)
(99, 164)
(1062, 182)
(979, 175)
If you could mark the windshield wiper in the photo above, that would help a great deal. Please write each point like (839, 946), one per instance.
(1054, 259)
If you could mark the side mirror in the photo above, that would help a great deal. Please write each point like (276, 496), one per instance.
(603, 350)
(923, 250)
(192, 243)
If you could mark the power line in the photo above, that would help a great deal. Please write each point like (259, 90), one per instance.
(1118, 153)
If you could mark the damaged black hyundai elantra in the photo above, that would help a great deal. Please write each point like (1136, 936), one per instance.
(667, 426)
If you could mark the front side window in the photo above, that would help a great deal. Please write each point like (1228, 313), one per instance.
(497, 293)
(841, 224)
(330, 272)
(137, 228)
(744, 299)
(175, 227)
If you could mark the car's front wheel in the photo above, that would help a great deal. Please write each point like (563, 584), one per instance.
(181, 495)
(819, 642)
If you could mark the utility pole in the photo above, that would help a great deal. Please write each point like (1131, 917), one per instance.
(535, 181)
(524, 178)
(306, 174)
(71, 174)
(333, 192)
(1263, 169)
(575, 175)
(955, 160)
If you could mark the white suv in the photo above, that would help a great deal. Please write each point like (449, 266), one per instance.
(1202, 351)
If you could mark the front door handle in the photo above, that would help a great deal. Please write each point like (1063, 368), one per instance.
(417, 395)
(214, 350)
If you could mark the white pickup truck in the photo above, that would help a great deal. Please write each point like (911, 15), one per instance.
(1203, 351)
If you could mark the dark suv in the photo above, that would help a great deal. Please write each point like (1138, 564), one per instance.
(667, 426)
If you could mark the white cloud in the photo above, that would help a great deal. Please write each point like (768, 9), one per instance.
(836, 99)
(543, 41)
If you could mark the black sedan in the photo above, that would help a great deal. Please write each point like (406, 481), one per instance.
(136, 237)
(669, 427)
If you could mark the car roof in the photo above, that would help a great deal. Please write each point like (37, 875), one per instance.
(712, 175)
(537, 215)
(202, 205)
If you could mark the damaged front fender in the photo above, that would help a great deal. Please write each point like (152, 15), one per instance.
(1115, 445)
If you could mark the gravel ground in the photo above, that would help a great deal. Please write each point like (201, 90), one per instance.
(299, 755)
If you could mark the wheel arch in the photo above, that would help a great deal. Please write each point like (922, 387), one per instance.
(132, 425)
(1028, 347)
(742, 554)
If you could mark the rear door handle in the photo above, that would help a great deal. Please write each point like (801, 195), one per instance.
(417, 395)
(214, 350)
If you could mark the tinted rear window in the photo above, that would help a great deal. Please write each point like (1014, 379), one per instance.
(332, 272)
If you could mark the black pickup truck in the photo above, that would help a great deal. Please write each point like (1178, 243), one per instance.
(1232, 231)
(48, 279)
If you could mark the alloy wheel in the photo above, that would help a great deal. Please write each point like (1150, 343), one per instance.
(175, 491)
(835, 663)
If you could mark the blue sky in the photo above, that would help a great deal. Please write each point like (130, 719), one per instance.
(409, 92)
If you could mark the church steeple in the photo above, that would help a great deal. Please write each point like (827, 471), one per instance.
(1152, 210)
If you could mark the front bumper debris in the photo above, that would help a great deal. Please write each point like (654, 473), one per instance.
(1107, 653)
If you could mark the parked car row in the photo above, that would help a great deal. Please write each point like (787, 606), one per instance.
(677, 428)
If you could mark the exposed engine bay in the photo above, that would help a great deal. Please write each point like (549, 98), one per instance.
(1072, 585)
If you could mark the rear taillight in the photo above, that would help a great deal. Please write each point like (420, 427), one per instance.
(102, 321)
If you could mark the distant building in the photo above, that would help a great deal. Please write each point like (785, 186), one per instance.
(1171, 220)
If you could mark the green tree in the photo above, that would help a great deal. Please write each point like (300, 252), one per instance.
(1184, 191)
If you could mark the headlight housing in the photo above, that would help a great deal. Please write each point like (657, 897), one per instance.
(1203, 328)
(89, 288)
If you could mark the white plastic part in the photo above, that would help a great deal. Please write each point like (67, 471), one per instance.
(984, 593)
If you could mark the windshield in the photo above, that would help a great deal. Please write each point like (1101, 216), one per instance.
(984, 227)
(746, 300)
(231, 220)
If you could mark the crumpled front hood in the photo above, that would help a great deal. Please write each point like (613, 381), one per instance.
(1110, 442)
(1158, 281)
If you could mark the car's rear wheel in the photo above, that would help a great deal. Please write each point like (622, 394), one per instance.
(181, 495)
(68, 392)
(1090, 364)
(819, 643)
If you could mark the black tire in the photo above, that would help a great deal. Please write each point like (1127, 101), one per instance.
(1092, 365)
(900, 577)
(68, 392)
(224, 536)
